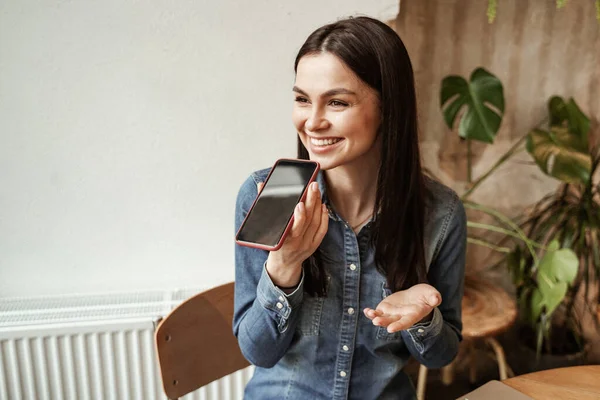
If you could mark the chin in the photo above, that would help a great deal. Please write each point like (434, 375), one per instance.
(326, 163)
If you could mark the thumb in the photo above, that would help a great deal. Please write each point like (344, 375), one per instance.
(434, 300)
(259, 186)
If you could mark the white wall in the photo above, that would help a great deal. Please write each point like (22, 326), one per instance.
(126, 128)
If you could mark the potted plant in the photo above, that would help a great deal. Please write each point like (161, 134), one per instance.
(569, 218)
(555, 252)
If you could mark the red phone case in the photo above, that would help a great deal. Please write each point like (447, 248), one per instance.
(291, 221)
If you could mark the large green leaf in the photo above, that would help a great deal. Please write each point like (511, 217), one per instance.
(553, 293)
(570, 115)
(483, 98)
(554, 153)
(559, 265)
(557, 270)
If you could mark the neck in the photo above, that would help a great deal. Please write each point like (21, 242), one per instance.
(352, 188)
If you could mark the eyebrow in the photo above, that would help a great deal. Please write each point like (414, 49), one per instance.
(331, 92)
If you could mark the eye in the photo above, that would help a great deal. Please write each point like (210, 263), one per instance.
(300, 99)
(337, 103)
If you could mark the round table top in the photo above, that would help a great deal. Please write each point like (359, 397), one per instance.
(571, 383)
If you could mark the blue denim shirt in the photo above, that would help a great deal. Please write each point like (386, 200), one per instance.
(308, 347)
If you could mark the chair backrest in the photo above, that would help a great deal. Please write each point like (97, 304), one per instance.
(195, 343)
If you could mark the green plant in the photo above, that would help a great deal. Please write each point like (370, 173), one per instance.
(552, 253)
(569, 217)
(482, 98)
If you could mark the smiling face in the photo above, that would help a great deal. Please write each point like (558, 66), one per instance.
(335, 113)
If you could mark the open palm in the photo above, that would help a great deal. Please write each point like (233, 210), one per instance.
(403, 309)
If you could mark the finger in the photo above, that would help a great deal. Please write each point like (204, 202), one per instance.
(386, 319)
(403, 323)
(311, 197)
(426, 295)
(298, 227)
(317, 216)
(387, 308)
(259, 186)
(433, 300)
(323, 225)
(370, 313)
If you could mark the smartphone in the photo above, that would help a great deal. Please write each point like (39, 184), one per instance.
(271, 215)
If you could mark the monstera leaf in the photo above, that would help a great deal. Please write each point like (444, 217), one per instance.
(556, 154)
(483, 99)
(563, 152)
(569, 115)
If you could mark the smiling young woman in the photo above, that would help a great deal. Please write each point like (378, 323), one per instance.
(337, 116)
(392, 242)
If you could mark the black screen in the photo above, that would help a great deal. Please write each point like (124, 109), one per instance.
(271, 213)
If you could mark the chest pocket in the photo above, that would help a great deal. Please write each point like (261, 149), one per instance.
(382, 332)
(310, 315)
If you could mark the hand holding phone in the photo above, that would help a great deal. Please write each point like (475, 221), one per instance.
(287, 218)
(310, 225)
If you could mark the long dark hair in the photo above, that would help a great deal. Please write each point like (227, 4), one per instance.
(376, 54)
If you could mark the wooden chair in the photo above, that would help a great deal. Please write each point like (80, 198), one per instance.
(487, 311)
(195, 343)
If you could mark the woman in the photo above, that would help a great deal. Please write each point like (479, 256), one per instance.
(372, 234)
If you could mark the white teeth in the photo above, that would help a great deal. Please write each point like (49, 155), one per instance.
(323, 142)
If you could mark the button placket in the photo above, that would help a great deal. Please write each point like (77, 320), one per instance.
(350, 302)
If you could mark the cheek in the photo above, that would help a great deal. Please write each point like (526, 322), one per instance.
(371, 121)
(351, 122)
(298, 118)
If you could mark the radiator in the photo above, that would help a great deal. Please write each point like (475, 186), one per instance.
(98, 347)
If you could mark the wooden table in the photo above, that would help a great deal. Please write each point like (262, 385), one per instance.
(572, 383)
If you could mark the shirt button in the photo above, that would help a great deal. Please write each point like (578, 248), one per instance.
(280, 298)
(351, 311)
(345, 348)
(420, 330)
(279, 305)
(342, 373)
(352, 267)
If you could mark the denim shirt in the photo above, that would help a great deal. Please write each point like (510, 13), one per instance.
(308, 347)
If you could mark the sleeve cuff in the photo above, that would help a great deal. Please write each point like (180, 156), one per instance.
(424, 330)
(274, 299)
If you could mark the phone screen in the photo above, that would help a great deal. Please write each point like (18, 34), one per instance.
(268, 219)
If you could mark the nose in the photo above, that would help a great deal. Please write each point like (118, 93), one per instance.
(316, 121)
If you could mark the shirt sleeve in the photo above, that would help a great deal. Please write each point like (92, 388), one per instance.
(264, 318)
(435, 343)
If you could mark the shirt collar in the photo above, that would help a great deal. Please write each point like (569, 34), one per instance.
(324, 199)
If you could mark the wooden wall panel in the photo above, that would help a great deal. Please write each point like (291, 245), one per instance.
(536, 51)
